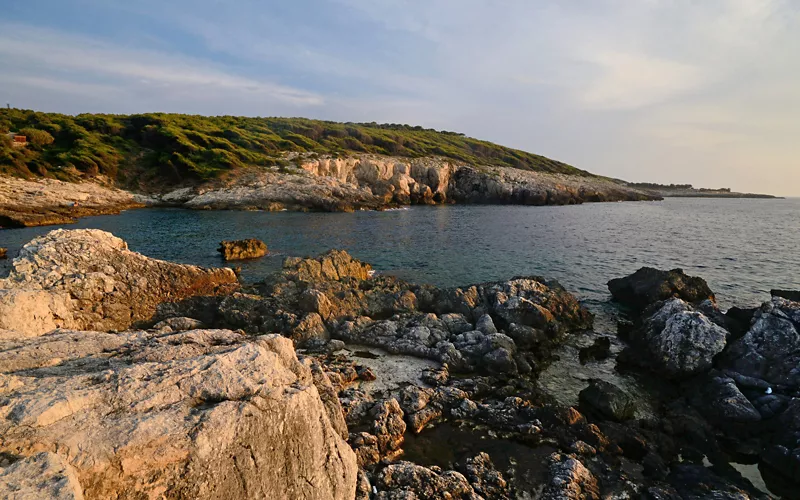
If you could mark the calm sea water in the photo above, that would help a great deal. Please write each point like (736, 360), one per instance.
(743, 248)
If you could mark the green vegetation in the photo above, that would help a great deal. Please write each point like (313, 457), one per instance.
(174, 148)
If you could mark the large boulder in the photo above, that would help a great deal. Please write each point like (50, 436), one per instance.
(648, 286)
(88, 279)
(198, 414)
(678, 341)
(608, 400)
(242, 249)
(770, 350)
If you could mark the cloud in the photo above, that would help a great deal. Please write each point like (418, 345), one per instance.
(29, 53)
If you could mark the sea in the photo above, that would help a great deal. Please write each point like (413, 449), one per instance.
(742, 247)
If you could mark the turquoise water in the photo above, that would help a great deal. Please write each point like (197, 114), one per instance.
(743, 248)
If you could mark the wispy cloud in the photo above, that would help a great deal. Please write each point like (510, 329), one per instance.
(79, 62)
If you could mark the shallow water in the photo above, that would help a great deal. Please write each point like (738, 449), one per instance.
(743, 248)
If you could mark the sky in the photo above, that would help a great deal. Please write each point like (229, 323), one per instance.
(672, 91)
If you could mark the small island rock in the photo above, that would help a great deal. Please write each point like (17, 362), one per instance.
(242, 249)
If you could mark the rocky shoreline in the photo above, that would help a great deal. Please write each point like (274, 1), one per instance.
(127, 377)
(314, 183)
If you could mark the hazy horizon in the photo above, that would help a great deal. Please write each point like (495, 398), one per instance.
(646, 91)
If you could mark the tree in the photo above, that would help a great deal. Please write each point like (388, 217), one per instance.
(37, 137)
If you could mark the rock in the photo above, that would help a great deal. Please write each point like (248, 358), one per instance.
(388, 426)
(25, 203)
(770, 350)
(179, 324)
(739, 320)
(648, 286)
(679, 341)
(198, 414)
(44, 475)
(719, 399)
(88, 279)
(424, 483)
(608, 400)
(599, 350)
(3, 252)
(569, 480)
(485, 325)
(484, 478)
(791, 295)
(242, 249)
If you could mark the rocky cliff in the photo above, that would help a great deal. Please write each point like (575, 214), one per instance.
(375, 182)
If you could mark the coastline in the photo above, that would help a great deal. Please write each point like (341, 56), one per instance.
(391, 371)
(318, 184)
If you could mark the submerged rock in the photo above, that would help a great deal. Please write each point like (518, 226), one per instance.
(199, 414)
(608, 400)
(3, 252)
(242, 249)
(648, 286)
(88, 279)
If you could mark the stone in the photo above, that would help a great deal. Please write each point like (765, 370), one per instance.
(569, 480)
(40, 476)
(648, 286)
(197, 414)
(180, 324)
(679, 341)
(242, 249)
(424, 483)
(3, 252)
(87, 279)
(608, 400)
(719, 399)
(770, 349)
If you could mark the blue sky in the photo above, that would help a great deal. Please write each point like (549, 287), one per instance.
(646, 90)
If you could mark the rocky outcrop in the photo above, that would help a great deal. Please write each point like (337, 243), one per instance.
(88, 279)
(677, 340)
(375, 182)
(197, 414)
(648, 286)
(501, 327)
(26, 203)
(242, 249)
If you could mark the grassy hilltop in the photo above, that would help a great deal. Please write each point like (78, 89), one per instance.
(173, 148)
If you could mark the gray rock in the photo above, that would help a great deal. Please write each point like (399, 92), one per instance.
(569, 480)
(608, 400)
(680, 341)
(719, 399)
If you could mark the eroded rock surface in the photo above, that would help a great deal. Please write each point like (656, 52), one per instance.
(88, 279)
(197, 414)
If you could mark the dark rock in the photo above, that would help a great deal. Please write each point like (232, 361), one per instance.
(719, 399)
(770, 350)
(608, 400)
(739, 320)
(793, 295)
(242, 249)
(696, 482)
(648, 286)
(600, 350)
